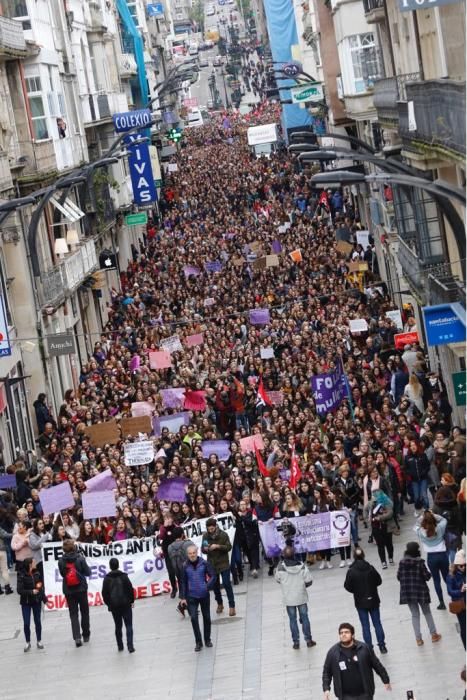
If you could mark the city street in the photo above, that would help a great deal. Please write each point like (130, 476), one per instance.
(252, 657)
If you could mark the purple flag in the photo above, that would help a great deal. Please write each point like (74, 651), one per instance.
(313, 533)
(173, 398)
(56, 498)
(221, 448)
(328, 390)
(172, 489)
(191, 270)
(135, 363)
(104, 481)
(276, 247)
(213, 266)
(259, 316)
(173, 422)
(98, 504)
(7, 481)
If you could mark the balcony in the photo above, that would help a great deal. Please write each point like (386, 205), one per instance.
(127, 65)
(437, 129)
(37, 157)
(444, 287)
(65, 277)
(374, 11)
(411, 264)
(387, 93)
(12, 41)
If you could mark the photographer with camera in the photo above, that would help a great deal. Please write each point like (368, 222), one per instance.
(294, 578)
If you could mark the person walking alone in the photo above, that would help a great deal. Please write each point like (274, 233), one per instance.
(413, 575)
(456, 589)
(216, 545)
(294, 578)
(197, 581)
(31, 591)
(363, 580)
(349, 666)
(74, 569)
(119, 596)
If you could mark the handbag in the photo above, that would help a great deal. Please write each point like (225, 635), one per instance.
(457, 606)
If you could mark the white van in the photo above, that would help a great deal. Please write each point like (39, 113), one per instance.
(194, 118)
(193, 49)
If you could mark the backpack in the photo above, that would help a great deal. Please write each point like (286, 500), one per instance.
(118, 599)
(72, 578)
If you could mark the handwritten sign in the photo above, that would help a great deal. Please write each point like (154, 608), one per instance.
(195, 339)
(134, 426)
(102, 434)
(137, 453)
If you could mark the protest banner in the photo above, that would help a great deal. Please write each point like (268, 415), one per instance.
(141, 408)
(173, 398)
(267, 353)
(403, 339)
(172, 344)
(104, 481)
(102, 434)
(213, 266)
(98, 504)
(7, 481)
(312, 533)
(160, 360)
(191, 270)
(328, 390)
(195, 528)
(139, 558)
(134, 426)
(272, 261)
(195, 339)
(173, 489)
(248, 444)
(56, 498)
(137, 453)
(195, 400)
(221, 448)
(358, 325)
(396, 317)
(259, 317)
(173, 423)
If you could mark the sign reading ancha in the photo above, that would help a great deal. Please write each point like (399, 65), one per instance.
(61, 344)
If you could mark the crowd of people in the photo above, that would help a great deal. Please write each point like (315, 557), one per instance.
(199, 271)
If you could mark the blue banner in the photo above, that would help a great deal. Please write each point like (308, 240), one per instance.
(139, 164)
(444, 324)
(155, 9)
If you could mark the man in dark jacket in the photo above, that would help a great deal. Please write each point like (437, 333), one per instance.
(177, 552)
(119, 596)
(216, 545)
(417, 467)
(197, 581)
(349, 665)
(74, 569)
(363, 580)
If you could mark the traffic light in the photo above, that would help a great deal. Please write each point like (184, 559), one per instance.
(174, 135)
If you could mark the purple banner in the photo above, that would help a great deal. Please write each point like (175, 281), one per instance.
(191, 270)
(173, 398)
(276, 247)
(173, 422)
(312, 532)
(213, 266)
(7, 481)
(259, 316)
(98, 504)
(172, 489)
(104, 481)
(221, 448)
(56, 498)
(328, 390)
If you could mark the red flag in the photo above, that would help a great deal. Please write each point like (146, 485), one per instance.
(295, 473)
(260, 462)
(323, 199)
(263, 398)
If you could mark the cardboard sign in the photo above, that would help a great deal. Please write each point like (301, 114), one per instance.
(103, 434)
(136, 425)
(256, 246)
(272, 261)
(357, 266)
(238, 260)
(344, 247)
(402, 339)
(259, 264)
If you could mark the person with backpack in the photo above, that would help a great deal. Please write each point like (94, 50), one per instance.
(119, 596)
(199, 578)
(177, 552)
(74, 569)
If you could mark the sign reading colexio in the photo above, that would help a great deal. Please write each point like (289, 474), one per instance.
(139, 159)
(61, 344)
(410, 5)
(444, 323)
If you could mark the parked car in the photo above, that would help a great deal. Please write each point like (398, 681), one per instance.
(218, 61)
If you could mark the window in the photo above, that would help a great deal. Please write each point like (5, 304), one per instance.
(17, 9)
(365, 62)
(36, 106)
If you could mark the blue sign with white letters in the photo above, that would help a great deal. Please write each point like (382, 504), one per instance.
(444, 324)
(139, 159)
(155, 9)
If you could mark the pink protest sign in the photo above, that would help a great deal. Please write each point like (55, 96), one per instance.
(249, 443)
(195, 339)
(277, 397)
(160, 360)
